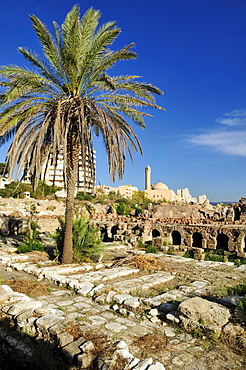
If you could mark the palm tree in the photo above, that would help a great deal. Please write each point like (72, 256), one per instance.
(66, 99)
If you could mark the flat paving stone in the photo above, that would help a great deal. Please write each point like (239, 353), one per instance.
(97, 320)
(115, 327)
(65, 303)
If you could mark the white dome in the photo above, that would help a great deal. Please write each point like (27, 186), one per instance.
(160, 186)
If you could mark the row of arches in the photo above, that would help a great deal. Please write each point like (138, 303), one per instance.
(222, 240)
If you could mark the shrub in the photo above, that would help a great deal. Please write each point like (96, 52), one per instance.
(84, 196)
(151, 249)
(141, 244)
(86, 238)
(189, 254)
(213, 257)
(30, 245)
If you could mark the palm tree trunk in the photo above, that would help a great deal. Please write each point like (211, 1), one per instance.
(72, 176)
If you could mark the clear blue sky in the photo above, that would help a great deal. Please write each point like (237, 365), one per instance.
(195, 51)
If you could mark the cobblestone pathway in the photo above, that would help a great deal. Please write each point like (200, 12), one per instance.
(114, 301)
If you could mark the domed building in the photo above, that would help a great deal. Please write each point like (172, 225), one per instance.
(159, 190)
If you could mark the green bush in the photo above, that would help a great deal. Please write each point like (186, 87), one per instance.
(151, 249)
(189, 254)
(16, 189)
(84, 196)
(86, 238)
(30, 245)
(213, 257)
(141, 244)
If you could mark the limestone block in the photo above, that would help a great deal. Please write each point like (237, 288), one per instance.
(97, 320)
(143, 365)
(156, 366)
(120, 298)
(22, 317)
(72, 349)
(110, 296)
(45, 322)
(6, 288)
(85, 288)
(85, 360)
(132, 302)
(101, 298)
(64, 339)
(87, 347)
(200, 313)
(4, 296)
(60, 326)
(132, 363)
(97, 290)
(24, 306)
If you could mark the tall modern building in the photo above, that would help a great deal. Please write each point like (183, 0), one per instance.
(54, 175)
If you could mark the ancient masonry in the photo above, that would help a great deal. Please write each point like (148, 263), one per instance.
(183, 227)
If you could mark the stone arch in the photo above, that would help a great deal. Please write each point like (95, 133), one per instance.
(104, 234)
(155, 233)
(237, 214)
(176, 237)
(244, 244)
(222, 242)
(197, 240)
(137, 230)
(114, 230)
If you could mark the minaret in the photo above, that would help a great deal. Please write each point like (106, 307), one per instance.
(147, 177)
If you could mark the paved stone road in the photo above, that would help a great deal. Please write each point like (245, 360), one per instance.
(109, 300)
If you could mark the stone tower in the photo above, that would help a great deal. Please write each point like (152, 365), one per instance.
(147, 177)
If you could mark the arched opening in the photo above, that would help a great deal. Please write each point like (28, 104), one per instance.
(137, 231)
(197, 240)
(114, 230)
(244, 244)
(155, 233)
(237, 214)
(104, 234)
(176, 238)
(222, 242)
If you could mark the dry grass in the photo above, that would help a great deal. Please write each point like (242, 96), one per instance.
(31, 288)
(151, 343)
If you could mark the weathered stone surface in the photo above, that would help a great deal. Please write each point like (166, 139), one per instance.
(87, 347)
(85, 288)
(120, 298)
(64, 339)
(115, 327)
(4, 296)
(173, 316)
(97, 320)
(45, 322)
(97, 290)
(22, 317)
(60, 326)
(156, 366)
(72, 349)
(24, 306)
(143, 365)
(85, 360)
(200, 313)
(132, 302)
